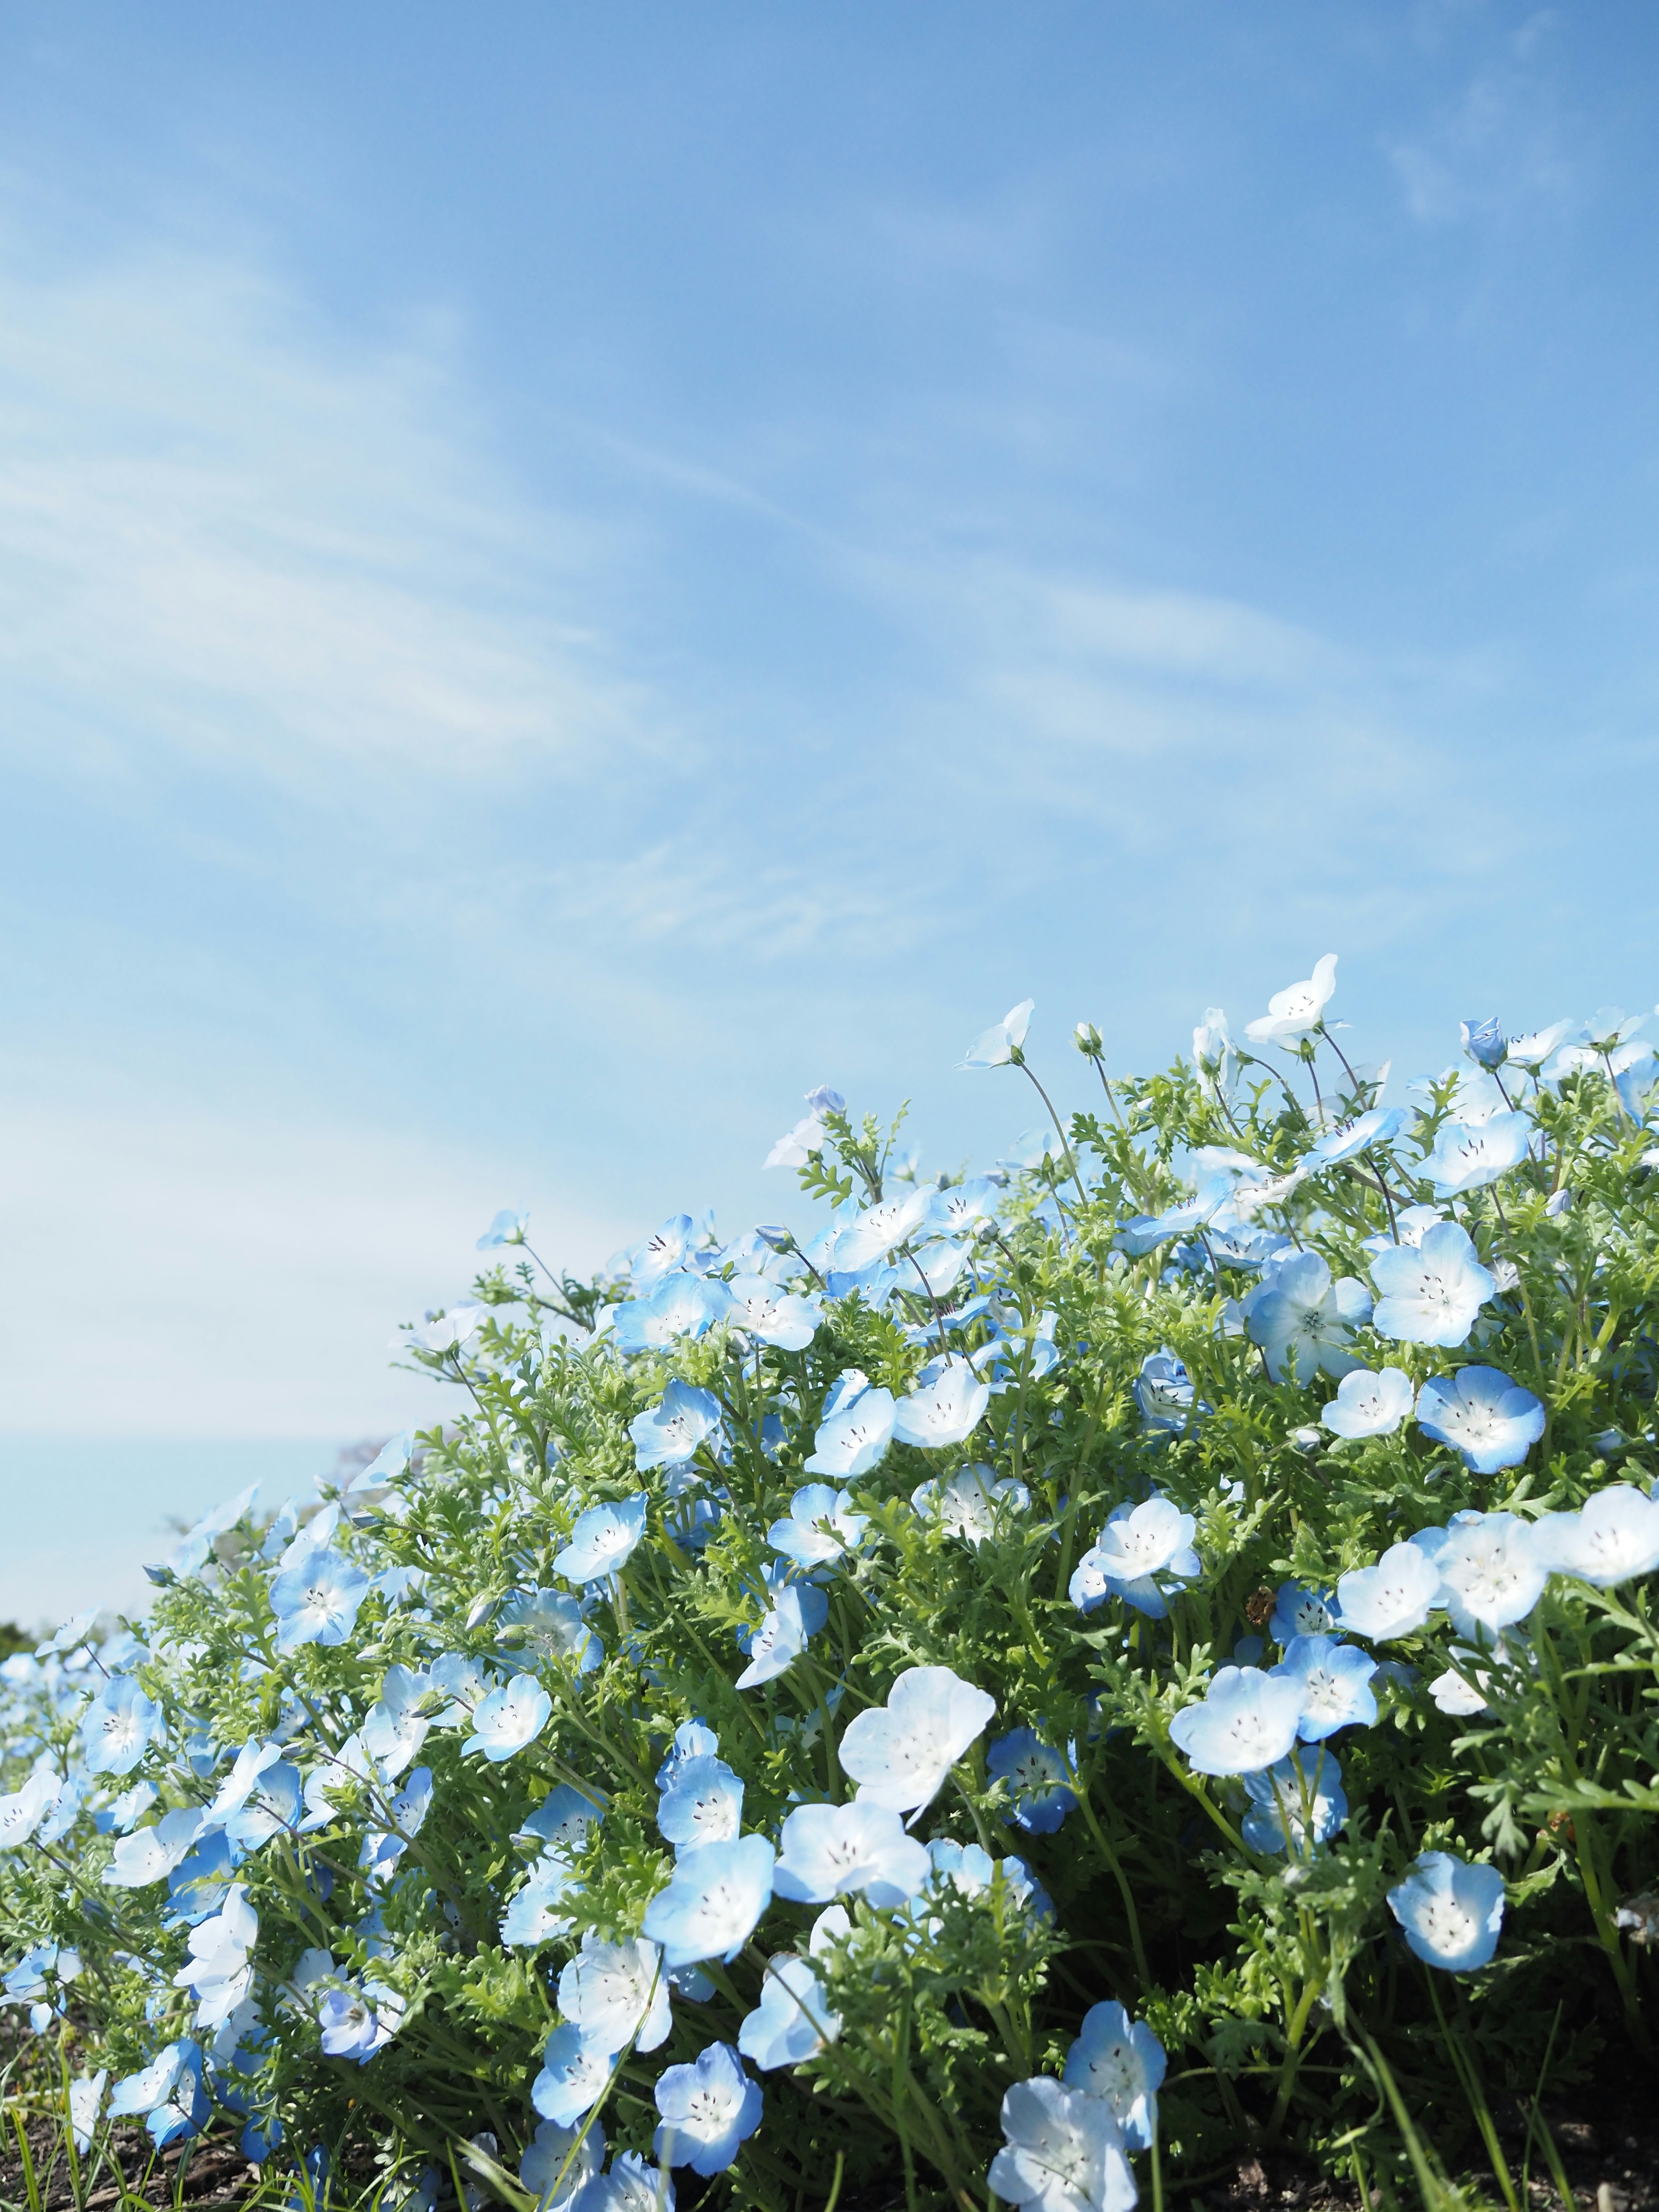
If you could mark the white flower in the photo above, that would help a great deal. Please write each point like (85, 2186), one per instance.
(1064, 2151)
(1296, 1013)
(1613, 1537)
(1368, 1404)
(945, 1407)
(1393, 1598)
(899, 1754)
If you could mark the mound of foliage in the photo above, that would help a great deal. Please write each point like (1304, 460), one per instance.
(1057, 1674)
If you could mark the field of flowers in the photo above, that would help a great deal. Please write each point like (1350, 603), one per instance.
(1062, 1672)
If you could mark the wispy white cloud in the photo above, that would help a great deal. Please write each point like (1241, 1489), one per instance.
(1503, 144)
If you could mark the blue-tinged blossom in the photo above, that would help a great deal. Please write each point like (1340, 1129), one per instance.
(1490, 1422)
(833, 1850)
(1039, 1778)
(572, 2076)
(1247, 1720)
(509, 1718)
(709, 2109)
(702, 1804)
(1298, 1799)
(1370, 1405)
(1450, 1912)
(792, 2021)
(1333, 1681)
(671, 1434)
(120, 1726)
(1298, 1610)
(900, 1753)
(617, 1994)
(1303, 1321)
(1063, 2151)
(316, 1600)
(1394, 1598)
(1122, 2062)
(713, 1903)
(855, 1431)
(1431, 1295)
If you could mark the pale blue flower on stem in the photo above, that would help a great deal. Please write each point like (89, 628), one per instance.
(22, 1811)
(1298, 1610)
(1164, 1395)
(971, 1871)
(1063, 2151)
(572, 2076)
(273, 1807)
(1296, 1013)
(797, 1146)
(86, 2097)
(559, 2164)
(1122, 2062)
(1038, 1779)
(901, 1753)
(1411, 1223)
(945, 1406)
(1297, 1801)
(971, 1503)
(316, 1600)
(1214, 1054)
(507, 1228)
(1614, 1536)
(632, 2186)
(679, 1306)
(663, 1251)
(508, 1719)
(670, 1435)
(1370, 1405)
(1431, 1295)
(1377, 1127)
(833, 1851)
(1139, 1544)
(1394, 1598)
(880, 1228)
(139, 2093)
(820, 1528)
(1469, 1155)
(792, 2021)
(693, 1739)
(533, 1915)
(1247, 1720)
(1489, 1421)
(1303, 1321)
(552, 1620)
(1450, 1912)
(702, 1805)
(957, 1210)
(854, 1433)
(1484, 1042)
(1333, 1681)
(120, 1726)
(1492, 1571)
(193, 1547)
(713, 1903)
(996, 1047)
(617, 1994)
(708, 2111)
(798, 1611)
(765, 1310)
(603, 1541)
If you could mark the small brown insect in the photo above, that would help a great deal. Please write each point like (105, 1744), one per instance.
(1560, 1826)
(1259, 1606)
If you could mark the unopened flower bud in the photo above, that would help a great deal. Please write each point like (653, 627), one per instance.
(1089, 1039)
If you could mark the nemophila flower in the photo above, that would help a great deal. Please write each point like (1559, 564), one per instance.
(1063, 2150)
(1450, 1912)
(535, 1914)
(466, 1681)
(1375, 1126)
(135, 2094)
(1122, 2062)
(833, 1851)
(900, 1753)
(1303, 1321)
(708, 2110)
(1613, 1537)
(572, 2076)
(670, 1434)
(945, 1407)
(120, 1726)
(820, 1527)
(316, 1600)
(713, 1903)
(1431, 1295)
(996, 1047)
(959, 1209)
(86, 2098)
(797, 1146)
(396, 1728)
(449, 1331)
(631, 2185)
(1247, 1720)
(508, 1719)
(194, 1545)
(798, 1612)
(382, 1847)
(1037, 1779)
(151, 1854)
(507, 1228)
(1489, 1421)
(273, 1807)
(199, 1884)
(1164, 1395)
(254, 1759)
(552, 1621)
(1533, 1049)
(1139, 1545)
(792, 2021)
(664, 1250)
(1412, 1224)
(854, 1434)
(1461, 1690)
(603, 1541)
(679, 1306)
(1299, 1799)
(702, 1804)
(1214, 1054)
(1491, 1572)
(1394, 1598)
(1484, 1041)
(1297, 1012)
(1468, 1155)
(692, 1740)
(23, 1810)
(559, 2164)
(767, 1311)
(970, 1503)
(617, 1994)
(1370, 1405)
(1298, 1610)
(876, 1231)
(1333, 1681)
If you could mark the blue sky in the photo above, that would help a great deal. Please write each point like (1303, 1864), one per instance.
(567, 575)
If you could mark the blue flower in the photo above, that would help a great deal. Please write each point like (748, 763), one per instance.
(120, 1726)
(1298, 1798)
(603, 1541)
(316, 1600)
(560, 2164)
(693, 1739)
(1468, 1155)
(855, 1431)
(764, 1309)
(1296, 1013)
(832, 1851)
(1037, 1779)
(1394, 1598)
(1121, 2061)
(532, 1916)
(1164, 1394)
(1489, 1421)
(1303, 1321)
(1491, 1570)
(1332, 1681)
(272, 1809)
(798, 1611)
(702, 1805)
(617, 1994)
(713, 1903)
(680, 1305)
(709, 2109)
(1484, 1042)
(1614, 1536)
(820, 1528)
(1431, 1295)
(1370, 1405)
(1247, 1720)
(792, 2021)
(573, 2078)
(22, 1811)
(970, 1870)
(1063, 2152)
(1298, 1610)
(199, 1884)
(509, 1718)
(1374, 1128)
(1450, 1912)
(945, 1407)
(669, 1435)
(901, 1753)
(1137, 1544)
(552, 1620)
(507, 1228)
(996, 1047)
